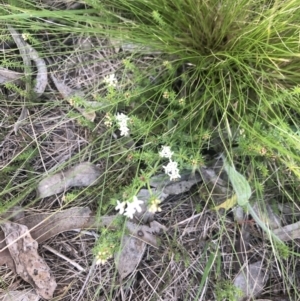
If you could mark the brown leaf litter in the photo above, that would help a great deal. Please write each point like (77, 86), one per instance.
(29, 265)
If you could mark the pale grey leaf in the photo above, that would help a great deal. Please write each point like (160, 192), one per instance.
(82, 175)
(251, 280)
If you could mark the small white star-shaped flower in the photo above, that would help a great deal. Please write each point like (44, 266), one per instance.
(153, 207)
(111, 80)
(124, 131)
(122, 120)
(166, 152)
(172, 171)
(132, 207)
(120, 206)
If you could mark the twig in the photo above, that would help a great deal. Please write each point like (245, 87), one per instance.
(76, 265)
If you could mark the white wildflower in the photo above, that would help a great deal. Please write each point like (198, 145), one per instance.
(137, 204)
(111, 80)
(120, 206)
(132, 207)
(166, 152)
(130, 211)
(108, 120)
(25, 36)
(100, 261)
(171, 170)
(103, 256)
(153, 207)
(124, 131)
(122, 120)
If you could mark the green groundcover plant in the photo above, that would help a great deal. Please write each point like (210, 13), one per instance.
(225, 78)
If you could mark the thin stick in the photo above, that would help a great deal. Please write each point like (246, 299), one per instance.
(76, 265)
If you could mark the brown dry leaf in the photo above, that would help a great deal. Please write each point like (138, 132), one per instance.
(29, 265)
(132, 250)
(25, 295)
(251, 280)
(46, 225)
(82, 175)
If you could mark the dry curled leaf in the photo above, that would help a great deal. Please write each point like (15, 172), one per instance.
(29, 53)
(29, 265)
(82, 175)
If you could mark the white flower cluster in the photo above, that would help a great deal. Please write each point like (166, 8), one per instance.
(166, 152)
(102, 257)
(171, 169)
(122, 120)
(154, 206)
(111, 80)
(131, 207)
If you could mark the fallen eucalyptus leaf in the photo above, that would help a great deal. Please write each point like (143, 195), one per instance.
(29, 53)
(25, 295)
(132, 250)
(162, 183)
(9, 76)
(43, 226)
(82, 175)
(288, 232)
(267, 215)
(228, 203)
(29, 265)
(251, 280)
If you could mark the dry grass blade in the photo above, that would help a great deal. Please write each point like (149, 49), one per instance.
(24, 295)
